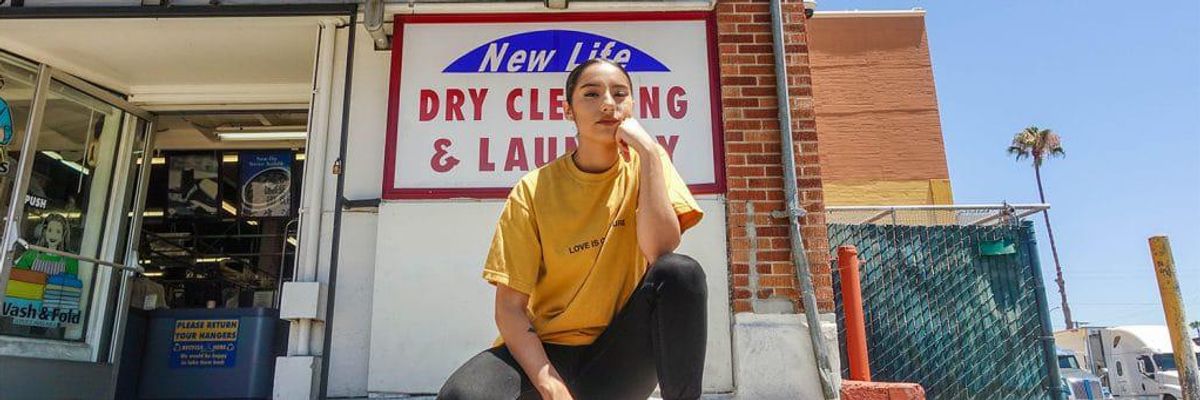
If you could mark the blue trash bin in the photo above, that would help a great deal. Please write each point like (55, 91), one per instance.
(223, 353)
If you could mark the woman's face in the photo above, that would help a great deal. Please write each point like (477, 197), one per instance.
(602, 99)
(54, 234)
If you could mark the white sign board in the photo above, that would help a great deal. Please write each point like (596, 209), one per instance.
(476, 102)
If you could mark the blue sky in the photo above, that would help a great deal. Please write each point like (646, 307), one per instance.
(1120, 82)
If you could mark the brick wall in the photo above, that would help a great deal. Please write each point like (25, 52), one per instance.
(881, 136)
(759, 246)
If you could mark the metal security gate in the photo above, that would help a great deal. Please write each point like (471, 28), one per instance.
(951, 300)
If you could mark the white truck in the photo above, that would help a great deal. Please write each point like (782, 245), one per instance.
(1132, 361)
(1079, 383)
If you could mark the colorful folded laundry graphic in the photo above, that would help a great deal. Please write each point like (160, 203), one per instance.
(63, 292)
(24, 275)
(51, 266)
(44, 291)
(24, 290)
(26, 284)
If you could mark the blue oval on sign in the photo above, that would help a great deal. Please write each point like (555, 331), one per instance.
(551, 51)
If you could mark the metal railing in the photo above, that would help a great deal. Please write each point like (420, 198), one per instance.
(47, 250)
(927, 215)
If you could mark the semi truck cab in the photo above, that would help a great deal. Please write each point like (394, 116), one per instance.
(1078, 383)
(1132, 361)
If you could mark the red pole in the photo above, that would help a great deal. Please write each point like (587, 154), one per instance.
(856, 328)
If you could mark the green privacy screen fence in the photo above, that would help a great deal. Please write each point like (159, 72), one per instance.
(950, 304)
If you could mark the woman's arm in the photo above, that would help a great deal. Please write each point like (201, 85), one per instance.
(525, 345)
(657, 225)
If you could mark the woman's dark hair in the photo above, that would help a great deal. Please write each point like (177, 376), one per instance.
(573, 77)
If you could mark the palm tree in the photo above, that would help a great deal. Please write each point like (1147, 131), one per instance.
(1195, 325)
(1039, 145)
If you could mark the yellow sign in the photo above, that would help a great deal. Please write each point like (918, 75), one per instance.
(206, 330)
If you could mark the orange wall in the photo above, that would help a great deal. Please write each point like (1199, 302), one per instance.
(876, 111)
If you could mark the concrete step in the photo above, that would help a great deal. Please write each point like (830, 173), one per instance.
(397, 396)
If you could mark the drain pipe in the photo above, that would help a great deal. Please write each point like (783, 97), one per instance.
(794, 212)
(339, 202)
(314, 177)
(373, 21)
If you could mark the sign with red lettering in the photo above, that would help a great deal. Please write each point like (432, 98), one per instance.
(477, 101)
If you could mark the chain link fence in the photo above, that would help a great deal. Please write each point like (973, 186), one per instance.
(951, 299)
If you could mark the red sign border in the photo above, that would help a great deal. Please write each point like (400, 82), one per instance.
(391, 192)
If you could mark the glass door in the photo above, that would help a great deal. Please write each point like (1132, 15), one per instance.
(66, 245)
(18, 79)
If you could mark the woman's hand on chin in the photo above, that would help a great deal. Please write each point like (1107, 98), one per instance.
(630, 133)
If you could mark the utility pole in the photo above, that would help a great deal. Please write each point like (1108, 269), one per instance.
(1168, 287)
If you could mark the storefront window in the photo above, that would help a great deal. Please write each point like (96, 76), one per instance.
(63, 225)
(17, 80)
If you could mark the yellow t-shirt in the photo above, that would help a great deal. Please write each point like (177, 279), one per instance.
(568, 239)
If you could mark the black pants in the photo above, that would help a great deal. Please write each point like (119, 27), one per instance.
(658, 337)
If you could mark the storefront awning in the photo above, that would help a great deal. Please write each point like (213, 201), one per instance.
(152, 59)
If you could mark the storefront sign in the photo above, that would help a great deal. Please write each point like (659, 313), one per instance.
(477, 101)
(266, 183)
(35, 298)
(204, 343)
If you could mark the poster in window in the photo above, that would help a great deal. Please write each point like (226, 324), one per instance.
(266, 183)
(192, 187)
(44, 289)
(6, 121)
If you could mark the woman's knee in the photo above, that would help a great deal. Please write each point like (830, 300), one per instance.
(483, 377)
(481, 386)
(680, 271)
(457, 390)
